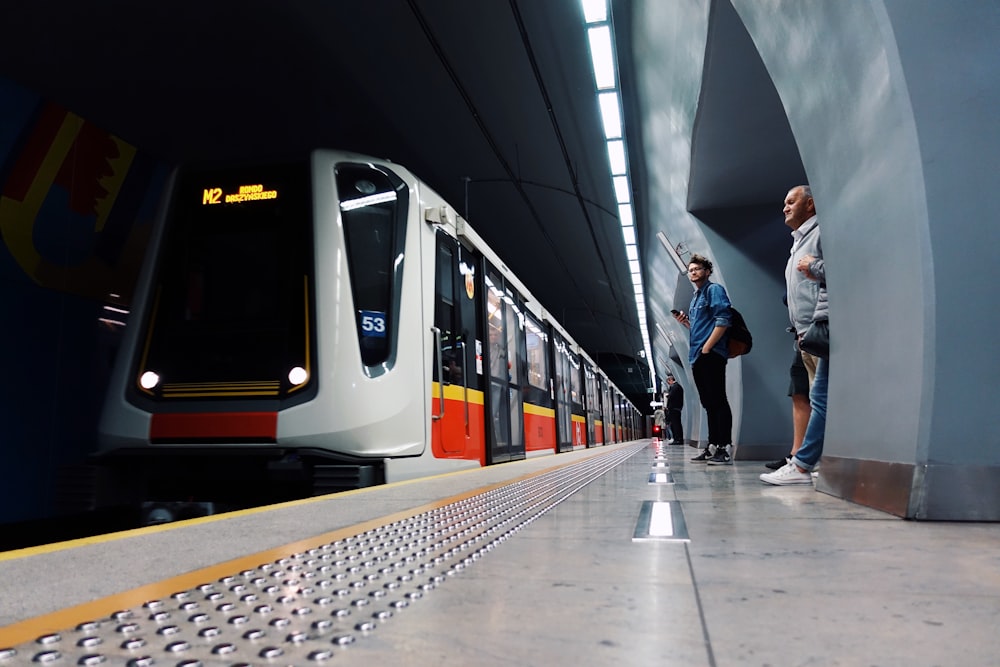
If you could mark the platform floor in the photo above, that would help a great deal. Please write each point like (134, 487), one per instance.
(529, 563)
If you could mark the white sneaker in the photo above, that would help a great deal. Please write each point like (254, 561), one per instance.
(786, 475)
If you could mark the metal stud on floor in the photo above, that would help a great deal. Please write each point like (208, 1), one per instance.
(286, 609)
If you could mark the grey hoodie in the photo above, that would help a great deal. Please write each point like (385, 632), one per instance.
(818, 268)
(802, 292)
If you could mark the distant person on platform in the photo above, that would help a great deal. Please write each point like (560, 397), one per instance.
(659, 422)
(675, 403)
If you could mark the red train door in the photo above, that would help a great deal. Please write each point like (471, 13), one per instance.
(536, 388)
(458, 428)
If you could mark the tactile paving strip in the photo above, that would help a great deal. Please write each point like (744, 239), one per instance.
(304, 608)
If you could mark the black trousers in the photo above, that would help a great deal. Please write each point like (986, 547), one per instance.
(676, 430)
(709, 372)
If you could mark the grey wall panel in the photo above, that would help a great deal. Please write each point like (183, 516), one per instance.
(949, 54)
(891, 104)
(841, 85)
(892, 108)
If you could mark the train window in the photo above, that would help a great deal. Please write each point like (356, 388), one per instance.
(446, 275)
(498, 346)
(451, 361)
(576, 388)
(590, 390)
(373, 205)
(513, 333)
(538, 345)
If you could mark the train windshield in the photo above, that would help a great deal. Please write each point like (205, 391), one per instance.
(229, 313)
(373, 206)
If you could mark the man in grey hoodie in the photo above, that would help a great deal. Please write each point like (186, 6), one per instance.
(801, 295)
(799, 469)
(800, 216)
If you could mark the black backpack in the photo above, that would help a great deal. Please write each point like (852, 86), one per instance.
(740, 338)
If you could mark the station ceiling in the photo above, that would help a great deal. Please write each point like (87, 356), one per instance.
(492, 102)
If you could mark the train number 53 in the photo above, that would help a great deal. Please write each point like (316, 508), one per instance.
(372, 323)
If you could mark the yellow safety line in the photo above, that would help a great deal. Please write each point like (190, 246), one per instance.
(70, 617)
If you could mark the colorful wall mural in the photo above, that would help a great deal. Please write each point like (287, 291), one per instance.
(76, 209)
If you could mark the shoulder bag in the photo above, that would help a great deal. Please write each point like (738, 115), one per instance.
(816, 339)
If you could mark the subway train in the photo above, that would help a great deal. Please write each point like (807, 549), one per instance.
(310, 326)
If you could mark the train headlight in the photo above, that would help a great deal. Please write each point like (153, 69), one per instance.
(148, 380)
(297, 376)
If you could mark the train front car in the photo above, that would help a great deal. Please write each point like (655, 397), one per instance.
(277, 336)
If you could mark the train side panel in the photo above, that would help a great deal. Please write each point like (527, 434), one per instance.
(539, 429)
(460, 432)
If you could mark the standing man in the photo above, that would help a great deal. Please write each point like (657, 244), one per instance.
(803, 293)
(675, 402)
(801, 297)
(799, 469)
(708, 319)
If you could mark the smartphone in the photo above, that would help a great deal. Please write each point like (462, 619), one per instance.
(675, 312)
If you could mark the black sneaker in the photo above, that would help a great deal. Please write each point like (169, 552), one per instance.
(721, 458)
(780, 463)
(704, 456)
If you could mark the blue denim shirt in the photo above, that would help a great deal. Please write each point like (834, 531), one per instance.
(709, 308)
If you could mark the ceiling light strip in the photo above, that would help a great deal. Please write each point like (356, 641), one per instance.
(600, 35)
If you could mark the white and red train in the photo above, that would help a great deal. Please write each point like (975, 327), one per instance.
(306, 327)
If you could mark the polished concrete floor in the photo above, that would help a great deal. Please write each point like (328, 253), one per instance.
(770, 576)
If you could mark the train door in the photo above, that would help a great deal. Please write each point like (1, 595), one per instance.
(505, 355)
(595, 426)
(619, 421)
(607, 412)
(611, 409)
(538, 396)
(612, 395)
(563, 367)
(458, 425)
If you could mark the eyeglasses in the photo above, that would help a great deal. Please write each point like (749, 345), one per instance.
(696, 268)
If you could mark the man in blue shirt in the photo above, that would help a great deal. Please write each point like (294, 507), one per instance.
(708, 319)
